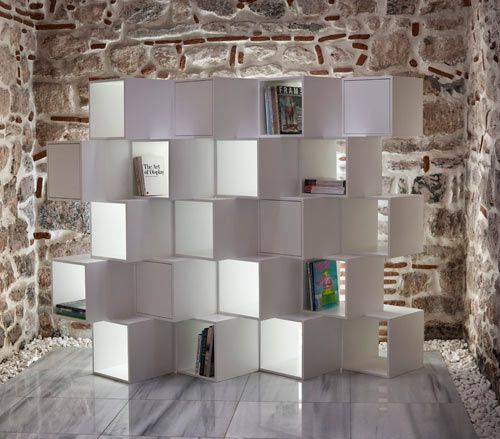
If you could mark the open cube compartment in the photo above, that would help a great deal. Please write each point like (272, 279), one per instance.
(133, 349)
(361, 218)
(132, 230)
(382, 106)
(176, 289)
(106, 286)
(405, 340)
(116, 109)
(259, 287)
(321, 106)
(305, 227)
(236, 346)
(362, 280)
(216, 228)
(301, 345)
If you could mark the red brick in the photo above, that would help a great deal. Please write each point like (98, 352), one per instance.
(319, 54)
(281, 38)
(395, 265)
(413, 63)
(304, 38)
(98, 46)
(232, 56)
(331, 37)
(241, 57)
(41, 235)
(424, 266)
(426, 163)
(319, 72)
(5, 15)
(259, 38)
(390, 281)
(359, 37)
(75, 119)
(40, 155)
(194, 41)
(391, 273)
(39, 187)
(359, 46)
(361, 59)
(228, 38)
(56, 26)
(168, 41)
(5, 6)
(196, 19)
(36, 6)
(441, 73)
(182, 62)
(415, 28)
(332, 17)
(343, 69)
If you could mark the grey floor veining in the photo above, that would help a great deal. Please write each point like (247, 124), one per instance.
(58, 398)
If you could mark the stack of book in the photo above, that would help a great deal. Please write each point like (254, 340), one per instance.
(322, 284)
(150, 176)
(283, 109)
(76, 309)
(324, 186)
(205, 353)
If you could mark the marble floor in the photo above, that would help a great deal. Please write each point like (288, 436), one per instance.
(58, 397)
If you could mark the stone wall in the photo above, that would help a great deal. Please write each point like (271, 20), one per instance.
(82, 40)
(18, 291)
(482, 188)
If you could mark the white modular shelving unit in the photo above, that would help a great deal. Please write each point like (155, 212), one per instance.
(236, 344)
(302, 345)
(176, 289)
(133, 349)
(227, 243)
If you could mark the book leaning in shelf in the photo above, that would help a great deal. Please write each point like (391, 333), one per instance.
(323, 284)
(283, 109)
(150, 175)
(324, 186)
(205, 353)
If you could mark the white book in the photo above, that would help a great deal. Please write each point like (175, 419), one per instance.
(154, 175)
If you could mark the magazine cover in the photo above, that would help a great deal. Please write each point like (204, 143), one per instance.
(290, 109)
(326, 284)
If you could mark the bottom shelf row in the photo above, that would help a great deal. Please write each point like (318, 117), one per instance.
(221, 347)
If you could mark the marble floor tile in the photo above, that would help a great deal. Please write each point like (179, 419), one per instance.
(173, 418)
(66, 359)
(60, 415)
(46, 436)
(78, 384)
(411, 387)
(410, 421)
(290, 420)
(333, 387)
(433, 363)
(187, 388)
(24, 383)
(6, 402)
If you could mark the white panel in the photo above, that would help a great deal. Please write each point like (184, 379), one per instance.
(99, 183)
(322, 107)
(110, 350)
(194, 228)
(235, 108)
(239, 287)
(236, 348)
(64, 173)
(154, 289)
(186, 344)
(278, 167)
(281, 227)
(360, 346)
(359, 225)
(237, 172)
(364, 166)
(367, 106)
(158, 232)
(107, 217)
(318, 159)
(281, 347)
(107, 109)
(408, 105)
(406, 225)
(192, 168)
(68, 282)
(193, 108)
(156, 148)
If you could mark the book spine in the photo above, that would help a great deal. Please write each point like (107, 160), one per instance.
(336, 282)
(197, 366)
(208, 351)
(202, 351)
(327, 190)
(68, 313)
(311, 285)
(276, 112)
(267, 109)
(62, 306)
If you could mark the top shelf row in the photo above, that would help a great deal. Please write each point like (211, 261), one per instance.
(233, 108)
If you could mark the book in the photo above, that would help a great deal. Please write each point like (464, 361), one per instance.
(150, 175)
(310, 286)
(268, 110)
(325, 284)
(76, 309)
(209, 352)
(324, 186)
(197, 364)
(203, 345)
(289, 109)
(327, 190)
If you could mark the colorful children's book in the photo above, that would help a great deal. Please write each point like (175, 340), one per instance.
(290, 109)
(325, 284)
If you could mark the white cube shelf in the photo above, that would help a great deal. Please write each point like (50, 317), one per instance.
(305, 227)
(363, 288)
(321, 106)
(404, 229)
(132, 230)
(260, 287)
(131, 108)
(64, 171)
(176, 289)
(405, 341)
(133, 349)
(223, 108)
(106, 286)
(301, 345)
(382, 106)
(236, 345)
(216, 228)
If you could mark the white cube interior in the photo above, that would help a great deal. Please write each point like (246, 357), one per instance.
(106, 217)
(154, 289)
(110, 343)
(194, 108)
(160, 149)
(64, 171)
(318, 159)
(187, 343)
(194, 228)
(237, 168)
(239, 287)
(68, 282)
(107, 109)
(281, 347)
